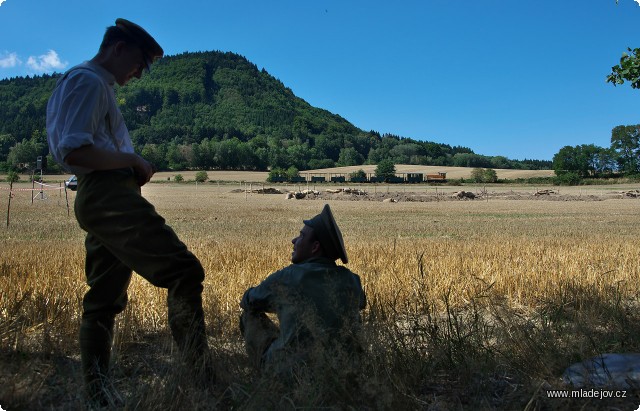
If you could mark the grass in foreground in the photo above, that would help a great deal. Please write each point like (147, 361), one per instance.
(472, 305)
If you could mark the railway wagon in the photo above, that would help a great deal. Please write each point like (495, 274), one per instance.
(436, 178)
(414, 178)
(358, 180)
(440, 177)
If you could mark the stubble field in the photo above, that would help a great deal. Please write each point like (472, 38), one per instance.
(471, 304)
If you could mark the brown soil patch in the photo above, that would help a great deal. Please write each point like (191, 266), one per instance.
(450, 194)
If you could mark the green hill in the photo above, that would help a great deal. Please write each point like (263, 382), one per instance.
(215, 110)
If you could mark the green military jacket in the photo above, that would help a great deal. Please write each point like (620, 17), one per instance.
(315, 301)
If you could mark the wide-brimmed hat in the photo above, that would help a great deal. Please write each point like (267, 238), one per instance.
(147, 43)
(327, 232)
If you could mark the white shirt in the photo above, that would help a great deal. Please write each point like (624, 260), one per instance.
(82, 111)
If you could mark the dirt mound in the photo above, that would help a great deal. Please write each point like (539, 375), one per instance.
(269, 190)
(461, 195)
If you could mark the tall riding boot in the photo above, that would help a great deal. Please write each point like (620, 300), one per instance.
(186, 320)
(95, 353)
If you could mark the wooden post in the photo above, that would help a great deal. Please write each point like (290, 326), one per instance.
(66, 197)
(9, 205)
(41, 186)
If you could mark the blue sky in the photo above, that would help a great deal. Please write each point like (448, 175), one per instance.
(515, 78)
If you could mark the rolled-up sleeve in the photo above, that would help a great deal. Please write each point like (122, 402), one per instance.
(83, 107)
(74, 113)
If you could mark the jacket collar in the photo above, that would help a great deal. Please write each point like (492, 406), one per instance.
(321, 260)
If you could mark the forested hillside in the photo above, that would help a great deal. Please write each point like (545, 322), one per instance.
(214, 110)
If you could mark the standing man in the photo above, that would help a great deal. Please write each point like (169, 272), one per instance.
(87, 135)
(317, 302)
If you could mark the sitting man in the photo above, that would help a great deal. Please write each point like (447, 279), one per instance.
(317, 302)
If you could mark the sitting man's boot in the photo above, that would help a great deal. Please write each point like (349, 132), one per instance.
(258, 332)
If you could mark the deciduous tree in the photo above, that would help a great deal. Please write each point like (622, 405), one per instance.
(385, 169)
(627, 70)
(583, 160)
(625, 140)
(349, 156)
(201, 176)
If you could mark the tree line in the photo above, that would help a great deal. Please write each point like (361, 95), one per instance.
(622, 157)
(215, 110)
(573, 163)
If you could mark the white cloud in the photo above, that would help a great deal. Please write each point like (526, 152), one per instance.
(9, 60)
(637, 1)
(2, 1)
(46, 62)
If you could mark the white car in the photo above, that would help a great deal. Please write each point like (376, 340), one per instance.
(72, 183)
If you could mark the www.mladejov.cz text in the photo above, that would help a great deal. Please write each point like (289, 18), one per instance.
(587, 393)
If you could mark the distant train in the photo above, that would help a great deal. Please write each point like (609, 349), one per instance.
(399, 178)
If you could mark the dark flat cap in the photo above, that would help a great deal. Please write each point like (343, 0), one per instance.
(327, 231)
(147, 43)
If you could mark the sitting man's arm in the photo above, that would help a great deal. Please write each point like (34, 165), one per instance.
(245, 301)
(255, 299)
(262, 297)
(363, 300)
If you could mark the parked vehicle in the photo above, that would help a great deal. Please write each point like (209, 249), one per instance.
(72, 183)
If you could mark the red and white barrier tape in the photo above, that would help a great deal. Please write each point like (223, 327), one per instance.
(32, 189)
